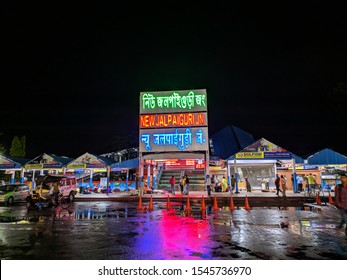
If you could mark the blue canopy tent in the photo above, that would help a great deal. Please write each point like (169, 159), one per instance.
(127, 164)
(14, 164)
(330, 162)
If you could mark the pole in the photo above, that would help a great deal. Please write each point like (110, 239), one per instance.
(154, 177)
(229, 175)
(236, 177)
(91, 178)
(12, 176)
(127, 180)
(33, 182)
(295, 183)
(148, 175)
(108, 179)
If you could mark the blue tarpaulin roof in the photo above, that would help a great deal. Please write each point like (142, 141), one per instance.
(130, 164)
(298, 159)
(327, 156)
(230, 140)
(8, 162)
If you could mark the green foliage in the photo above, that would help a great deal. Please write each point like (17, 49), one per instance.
(2, 149)
(18, 147)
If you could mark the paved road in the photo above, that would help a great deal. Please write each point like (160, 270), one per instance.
(117, 230)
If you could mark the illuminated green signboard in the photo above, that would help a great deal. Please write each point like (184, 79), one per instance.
(173, 101)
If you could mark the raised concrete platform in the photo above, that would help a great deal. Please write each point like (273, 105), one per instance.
(255, 199)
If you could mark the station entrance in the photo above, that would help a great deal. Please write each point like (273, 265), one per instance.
(159, 170)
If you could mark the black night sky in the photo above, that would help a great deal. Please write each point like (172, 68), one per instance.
(71, 75)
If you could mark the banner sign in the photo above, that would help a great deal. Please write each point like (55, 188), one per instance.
(88, 161)
(263, 155)
(248, 155)
(76, 166)
(174, 139)
(34, 166)
(173, 120)
(173, 101)
(44, 161)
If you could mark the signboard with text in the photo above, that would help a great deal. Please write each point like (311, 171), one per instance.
(173, 101)
(264, 149)
(173, 121)
(174, 139)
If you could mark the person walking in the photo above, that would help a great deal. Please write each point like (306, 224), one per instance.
(182, 183)
(283, 185)
(341, 199)
(208, 185)
(172, 182)
(277, 184)
(232, 184)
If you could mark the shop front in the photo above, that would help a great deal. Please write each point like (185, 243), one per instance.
(258, 165)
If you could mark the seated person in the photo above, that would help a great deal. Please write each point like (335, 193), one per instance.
(147, 190)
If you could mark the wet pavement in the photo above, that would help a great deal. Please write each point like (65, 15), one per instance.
(117, 230)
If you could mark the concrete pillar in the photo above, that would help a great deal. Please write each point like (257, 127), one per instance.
(12, 176)
(33, 185)
(127, 180)
(22, 175)
(108, 179)
(148, 175)
(154, 177)
(91, 178)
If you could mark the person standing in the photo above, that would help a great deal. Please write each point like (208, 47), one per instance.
(208, 185)
(299, 180)
(248, 185)
(55, 192)
(224, 184)
(311, 183)
(141, 186)
(341, 199)
(283, 185)
(232, 184)
(277, 184)
(213, 183)
(172, 182)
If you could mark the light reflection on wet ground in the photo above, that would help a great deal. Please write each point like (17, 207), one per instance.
(114, 230)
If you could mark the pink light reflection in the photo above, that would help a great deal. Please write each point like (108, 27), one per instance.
(183, 237)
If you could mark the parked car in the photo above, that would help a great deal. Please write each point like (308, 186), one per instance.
(11, 193)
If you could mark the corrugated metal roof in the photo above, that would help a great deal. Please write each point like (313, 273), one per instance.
(327, 156)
